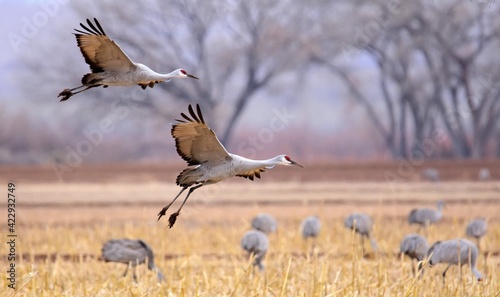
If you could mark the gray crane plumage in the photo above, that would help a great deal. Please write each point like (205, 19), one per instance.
(431, 174)
(414, 246)
(256, 243)
(131, 252)
(455, 252)
(311, 227)
(363, 225)
(484, 174)
(426, 216)
(477, 228)
(265, 222)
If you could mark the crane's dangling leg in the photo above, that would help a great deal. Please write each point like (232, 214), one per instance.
(67, 93)
(162, 212)
(173, 217)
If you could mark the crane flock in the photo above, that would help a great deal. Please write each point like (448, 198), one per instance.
(209, 162)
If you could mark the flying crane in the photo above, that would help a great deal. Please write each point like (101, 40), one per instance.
(208, 160)
(111, 66)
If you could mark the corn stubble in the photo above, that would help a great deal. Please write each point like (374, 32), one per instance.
(207, 261)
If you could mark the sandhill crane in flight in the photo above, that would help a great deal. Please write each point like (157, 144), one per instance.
(110, 65)
(131, 252)
(208, 160)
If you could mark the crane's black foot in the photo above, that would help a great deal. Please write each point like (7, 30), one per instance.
(172, 219)
(65, 94)
(162, 212)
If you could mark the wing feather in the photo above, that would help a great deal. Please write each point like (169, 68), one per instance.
(99, 51)
(195, 142)
(252, 173)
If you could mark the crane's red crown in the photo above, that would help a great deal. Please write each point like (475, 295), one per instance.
(287, 158)
(183, 71)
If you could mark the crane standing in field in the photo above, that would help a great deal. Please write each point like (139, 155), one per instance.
(208, 160)
(311, 226)
(455, 252)
(415, 246)
(426, 216)
(131, 252)
(256, 244)
(477, 228)
(265, 223)
(362, 224)
(110, 65)
(431, 174)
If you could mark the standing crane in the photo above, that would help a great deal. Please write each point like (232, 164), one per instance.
(362, 224)
(431, 174)
(477, 228)
(414, 246)
(264, 222)
(208, 160)
(310, 229)
(426, 216)
(131, 252)
(455, 252)
(110, 65)
(256, 244)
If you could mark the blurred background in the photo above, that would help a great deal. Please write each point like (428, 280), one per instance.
(318, 80)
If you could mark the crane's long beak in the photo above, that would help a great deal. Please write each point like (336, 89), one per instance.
(296, 164)
(192, 76)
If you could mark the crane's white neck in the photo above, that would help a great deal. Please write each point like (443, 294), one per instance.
(270, 163)
(253, 164)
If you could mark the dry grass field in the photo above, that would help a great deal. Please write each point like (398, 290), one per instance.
(61, 227)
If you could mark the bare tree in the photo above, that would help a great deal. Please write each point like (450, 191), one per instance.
(236, 48)
(435, 67)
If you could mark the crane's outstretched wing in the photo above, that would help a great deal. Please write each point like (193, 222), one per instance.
(195, 142)
(100, 52)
